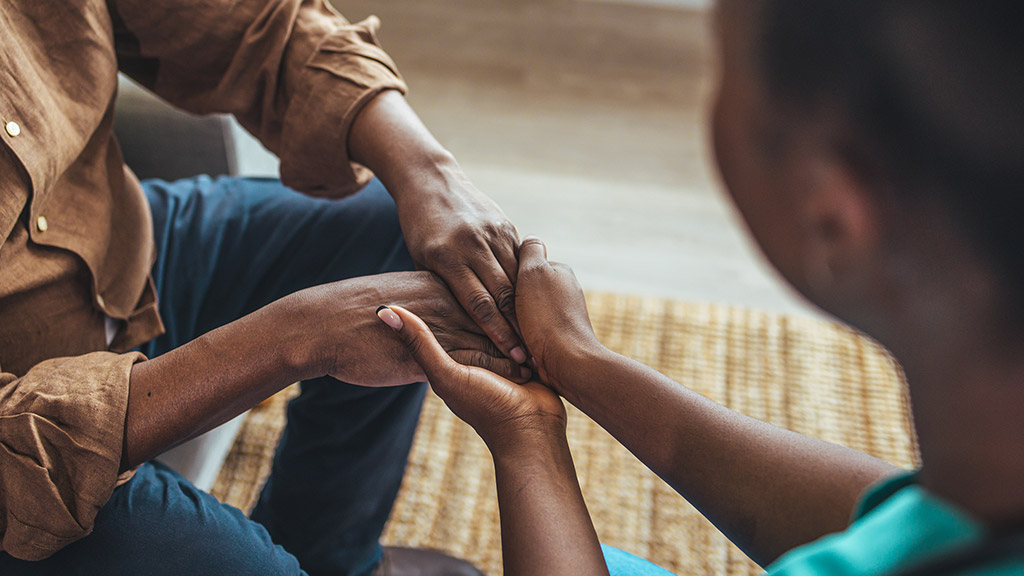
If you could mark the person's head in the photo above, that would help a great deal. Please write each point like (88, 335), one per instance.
(876, 148)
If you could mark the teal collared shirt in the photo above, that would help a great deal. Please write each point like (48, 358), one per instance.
(896, 525)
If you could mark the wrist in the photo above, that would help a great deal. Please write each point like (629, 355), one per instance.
(388, 138)
(568, 372)
(295, 323)
(536, 445)
(428, 173)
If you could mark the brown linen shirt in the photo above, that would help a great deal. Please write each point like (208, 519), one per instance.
(76, 238)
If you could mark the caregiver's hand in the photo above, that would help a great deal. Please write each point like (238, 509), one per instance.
(545, 527)
(553, 316)
(506, 415)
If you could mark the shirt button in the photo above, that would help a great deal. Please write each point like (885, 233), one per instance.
(42, 224)
(12, 128)
(100, 301)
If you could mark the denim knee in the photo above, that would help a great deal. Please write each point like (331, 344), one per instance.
(160, 524)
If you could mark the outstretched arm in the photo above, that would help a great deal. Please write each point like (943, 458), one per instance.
(545, 527)
(328, 329)
(768, 489)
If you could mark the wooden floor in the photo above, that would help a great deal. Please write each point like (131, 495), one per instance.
(585, 121)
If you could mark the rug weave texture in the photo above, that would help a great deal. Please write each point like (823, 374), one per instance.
(814, 377)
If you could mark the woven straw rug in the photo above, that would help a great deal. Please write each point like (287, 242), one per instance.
(810, 376)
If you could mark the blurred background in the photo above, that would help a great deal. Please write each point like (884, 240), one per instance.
(585, 121)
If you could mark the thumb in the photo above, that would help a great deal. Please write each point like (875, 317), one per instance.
(532, 252)
(420, 342)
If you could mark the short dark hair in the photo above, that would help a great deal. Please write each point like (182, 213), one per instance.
(933, 91)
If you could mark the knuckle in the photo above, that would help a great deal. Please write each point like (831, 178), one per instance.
(444, 256)
(478, 358)
(505, 368)
(531, 267)
(484, 361)
(506, 298)
(481, 305)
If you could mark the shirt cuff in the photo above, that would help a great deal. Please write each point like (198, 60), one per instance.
(348, 69)
(61, 436)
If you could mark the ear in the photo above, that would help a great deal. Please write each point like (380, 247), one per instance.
(841, 229)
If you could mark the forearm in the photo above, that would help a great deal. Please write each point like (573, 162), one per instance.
(388, 138)
(545, 527)
(766, 488)
(194, 388)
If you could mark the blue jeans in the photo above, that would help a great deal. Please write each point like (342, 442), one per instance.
(225, 248)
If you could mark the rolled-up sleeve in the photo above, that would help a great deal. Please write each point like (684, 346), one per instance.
(61, 435)
(294, 72)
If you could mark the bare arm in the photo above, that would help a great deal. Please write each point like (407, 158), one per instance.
(768, 489)
(212, 379)
(545, 527)
(450, 227)
(329, 329)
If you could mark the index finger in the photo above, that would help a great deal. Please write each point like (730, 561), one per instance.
(420, 342)
(477, 300)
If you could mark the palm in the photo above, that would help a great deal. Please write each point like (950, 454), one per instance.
(488, 402)
(495, 407)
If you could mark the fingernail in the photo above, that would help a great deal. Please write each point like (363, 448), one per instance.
(390, 318)
(530, 237)
(525, 372)
(533, 362)
(518, 354)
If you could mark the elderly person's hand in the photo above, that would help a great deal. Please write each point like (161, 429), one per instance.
(353, 346)
(450, 227)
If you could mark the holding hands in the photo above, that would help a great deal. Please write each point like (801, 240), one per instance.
(353, 346)
(545, 526)
(555, 325)
(465, 238)
(502, 412)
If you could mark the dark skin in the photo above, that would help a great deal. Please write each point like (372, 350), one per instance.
(906, 274)
(545, 528)
(450, 227)
(766, 488)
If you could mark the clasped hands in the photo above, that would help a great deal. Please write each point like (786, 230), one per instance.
(507, 411)
(431, 337)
